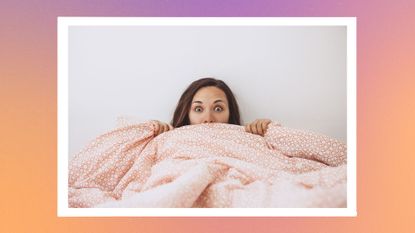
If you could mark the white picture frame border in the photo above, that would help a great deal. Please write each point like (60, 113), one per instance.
(63, 24)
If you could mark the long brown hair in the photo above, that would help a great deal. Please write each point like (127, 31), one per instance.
(181, 114)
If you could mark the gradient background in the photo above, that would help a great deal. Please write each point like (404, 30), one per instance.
(385, 115)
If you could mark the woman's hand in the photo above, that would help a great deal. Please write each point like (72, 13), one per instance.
(161, 127)
(258, 127)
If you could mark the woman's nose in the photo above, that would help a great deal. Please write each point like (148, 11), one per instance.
(209, 118)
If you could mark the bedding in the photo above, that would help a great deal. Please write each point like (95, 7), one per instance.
(209, 165)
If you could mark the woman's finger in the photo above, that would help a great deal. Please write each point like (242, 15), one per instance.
(164, 128)
(248, 128)
(254, 127)
(259, 127)
(264, 126)
(156, 128)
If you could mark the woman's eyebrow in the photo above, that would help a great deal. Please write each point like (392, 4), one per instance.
(200, 102)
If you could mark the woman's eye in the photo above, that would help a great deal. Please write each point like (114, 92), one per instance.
(218, 109)
(198, 109)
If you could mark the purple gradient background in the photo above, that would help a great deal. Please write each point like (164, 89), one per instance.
(385, 114)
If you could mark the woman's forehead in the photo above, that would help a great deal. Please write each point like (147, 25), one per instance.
(209, 94)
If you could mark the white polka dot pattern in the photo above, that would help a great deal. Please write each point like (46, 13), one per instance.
(209, 165)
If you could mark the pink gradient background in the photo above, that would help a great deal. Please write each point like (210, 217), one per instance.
(385, 115)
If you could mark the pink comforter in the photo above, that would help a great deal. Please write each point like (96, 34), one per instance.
(209, 165)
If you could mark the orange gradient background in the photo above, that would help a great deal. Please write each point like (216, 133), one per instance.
(385, 116)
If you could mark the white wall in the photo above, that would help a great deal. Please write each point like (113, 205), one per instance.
(295, 75)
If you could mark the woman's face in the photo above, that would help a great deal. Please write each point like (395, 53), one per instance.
(209, 105)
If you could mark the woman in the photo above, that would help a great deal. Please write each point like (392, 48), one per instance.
(209, 100)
